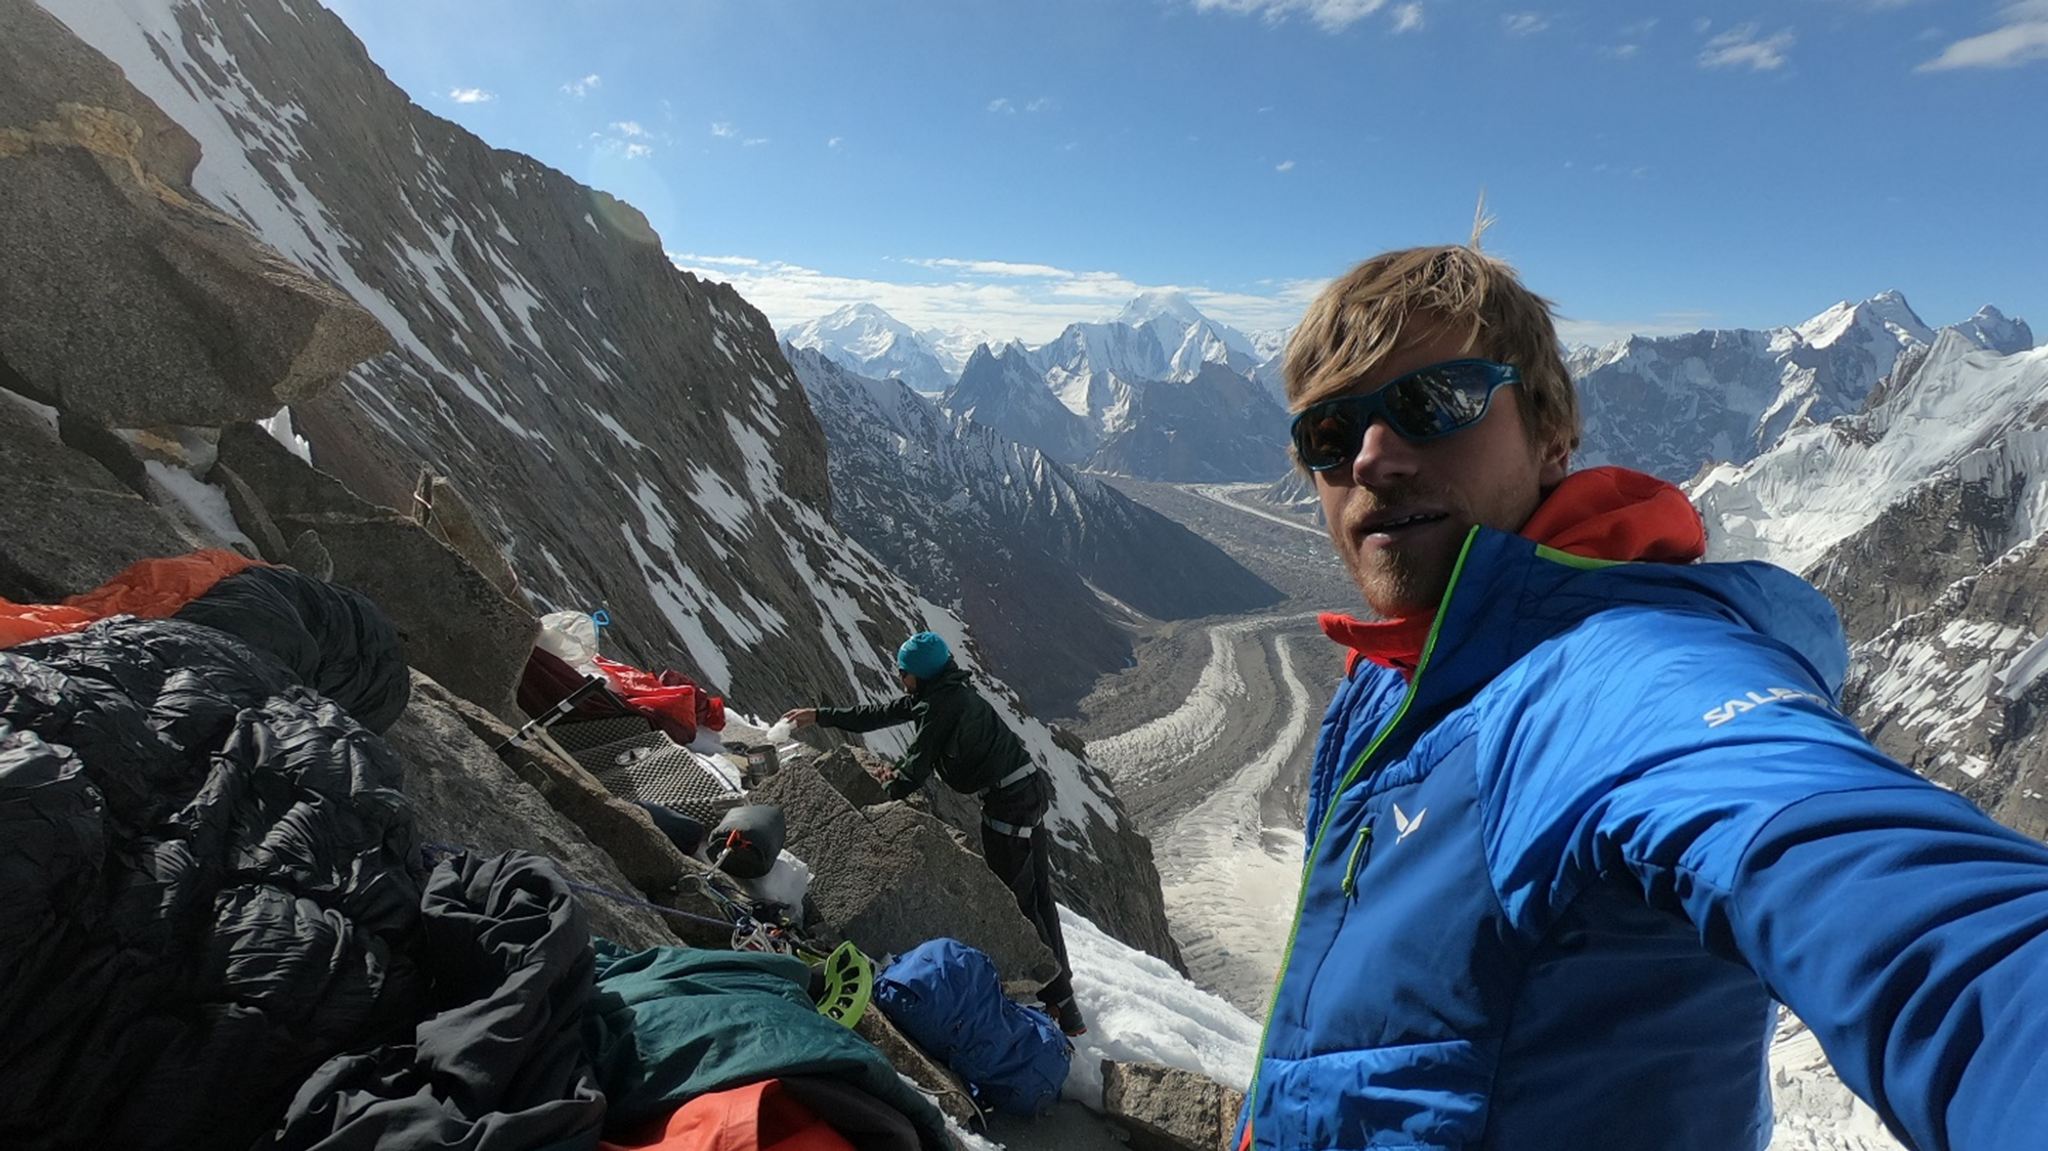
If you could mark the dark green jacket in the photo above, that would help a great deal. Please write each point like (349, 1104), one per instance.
(958, 734)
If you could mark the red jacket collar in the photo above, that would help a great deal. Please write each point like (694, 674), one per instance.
(1600, 513)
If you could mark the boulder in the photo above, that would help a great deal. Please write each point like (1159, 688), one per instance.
(1107, 875)
(622, 830)
(889, 877)
(1169, 1109)
(439, 506)
(459, 628)
(466, 798)
(117, 273)
(47, 491)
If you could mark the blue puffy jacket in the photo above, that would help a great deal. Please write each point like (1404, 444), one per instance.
(1555, 884)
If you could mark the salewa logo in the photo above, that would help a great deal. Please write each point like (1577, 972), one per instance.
(1757, 699)
(1404, 825)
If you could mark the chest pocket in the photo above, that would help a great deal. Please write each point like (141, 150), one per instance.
(1403, 911)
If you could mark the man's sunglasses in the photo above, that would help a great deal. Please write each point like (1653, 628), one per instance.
(1426, 404)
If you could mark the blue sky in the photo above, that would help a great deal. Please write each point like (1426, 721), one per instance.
(1010, 167)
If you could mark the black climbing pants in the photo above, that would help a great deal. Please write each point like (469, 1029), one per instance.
(1024, 864)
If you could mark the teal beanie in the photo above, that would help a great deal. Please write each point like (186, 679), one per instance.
(923, 654)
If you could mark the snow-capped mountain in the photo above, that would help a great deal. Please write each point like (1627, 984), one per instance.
(1019, 545)
(1991, 328)
(870, 341)
(1215, 426)
(1925, 519)
(1004, 390)
(1670, 405)
(1161, 392)
(1189, 338)
(1081, 397)
(954, 348)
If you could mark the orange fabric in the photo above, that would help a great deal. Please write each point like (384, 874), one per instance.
(152, 589)
(1616, 514)
(671, 699)
(1601, 513)
(755, 1117)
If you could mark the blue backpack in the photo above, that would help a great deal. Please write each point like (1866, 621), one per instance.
(947, 998)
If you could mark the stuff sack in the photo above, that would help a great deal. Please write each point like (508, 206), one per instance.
(747, 841)
(947, 998)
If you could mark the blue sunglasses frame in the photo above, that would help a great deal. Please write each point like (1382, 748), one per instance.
(1429, 403)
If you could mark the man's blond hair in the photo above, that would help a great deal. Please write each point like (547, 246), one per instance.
(1417, 293)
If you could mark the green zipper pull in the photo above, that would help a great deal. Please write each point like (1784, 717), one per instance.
(1357, 851)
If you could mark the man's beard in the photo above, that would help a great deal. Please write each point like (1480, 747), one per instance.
(1392, 579)
(1402, 579)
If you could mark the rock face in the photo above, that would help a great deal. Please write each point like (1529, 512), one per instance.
(1047, 565)
(1169, 1109)
(49, 491)
(890, 877)
(118, 272)
(1216, 425)
(626, 435)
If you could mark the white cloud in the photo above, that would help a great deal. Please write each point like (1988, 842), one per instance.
(2022, 38)
(1524, 23)
(732, 261)
(1002, 104)
(1041, 104)
(1407, 18)
(470, 96)
(1621, 51)
(1740, 48)
(724, 130)
(993, 267)
(1284, 166)
(1329, 15)
(833, 142)
(753, 141)
(1031, 302)
(581, 88)
(626, 138)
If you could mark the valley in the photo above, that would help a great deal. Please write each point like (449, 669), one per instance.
(1208, 737)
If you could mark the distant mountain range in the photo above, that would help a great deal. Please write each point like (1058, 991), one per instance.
(1159, 391)
(1670, 405)
(1924, 516)
(1020, 546)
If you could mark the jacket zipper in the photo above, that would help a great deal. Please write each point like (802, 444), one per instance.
(1308, 871)
(1358, 855)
